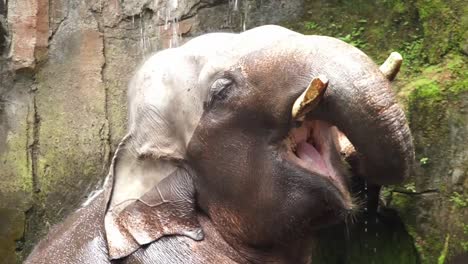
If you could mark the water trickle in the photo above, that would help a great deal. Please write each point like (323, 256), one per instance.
(244, 18)
(142, 37)
(174, 42)
(366, 213)
(238, 13)
(171, 23)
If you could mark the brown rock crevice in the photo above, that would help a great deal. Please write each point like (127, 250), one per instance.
(33, 148)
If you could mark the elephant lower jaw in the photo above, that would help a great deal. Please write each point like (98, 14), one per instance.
(317, 147)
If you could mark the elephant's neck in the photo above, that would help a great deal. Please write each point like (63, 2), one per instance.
(293, 251)
(299, 253)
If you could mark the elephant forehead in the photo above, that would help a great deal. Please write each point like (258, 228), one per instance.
(167, 93)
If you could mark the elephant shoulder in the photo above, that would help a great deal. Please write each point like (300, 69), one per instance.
(181, 249)
(79, 239)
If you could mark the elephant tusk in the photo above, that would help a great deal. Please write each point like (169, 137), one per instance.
(310, 97)
(391, 66)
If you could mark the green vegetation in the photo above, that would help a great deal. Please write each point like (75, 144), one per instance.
(424, 161)
(410, 187)
(413, 54)
(459, 200)
(355, 38)
(443, 254)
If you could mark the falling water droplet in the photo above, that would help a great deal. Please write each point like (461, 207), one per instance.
(174, 42)
(166, 21)
(142, 37)
(366, 215)
(245, 16)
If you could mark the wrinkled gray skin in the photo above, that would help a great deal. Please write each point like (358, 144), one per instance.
(207, 172)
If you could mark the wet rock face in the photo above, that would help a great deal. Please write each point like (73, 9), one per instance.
(12, 225)
(29, 21)
(63, 73)
(3, 27)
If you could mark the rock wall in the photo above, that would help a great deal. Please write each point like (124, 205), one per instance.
(64, 67)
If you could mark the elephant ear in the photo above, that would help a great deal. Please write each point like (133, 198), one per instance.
(148, 190)
(147, 198)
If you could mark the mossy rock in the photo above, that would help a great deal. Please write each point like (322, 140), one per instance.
(436, 102)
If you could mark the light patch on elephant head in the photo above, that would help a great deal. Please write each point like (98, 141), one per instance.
(164, 110)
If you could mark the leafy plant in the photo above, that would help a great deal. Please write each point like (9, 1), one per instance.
(413, 53)
(410, 187)
(424, 161)
(459, 200)
(310, 25)
(443, 254)
(355, 38)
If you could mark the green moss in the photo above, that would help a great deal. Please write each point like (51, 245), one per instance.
(441, 26)
(16, 167)
(425, 107)
(426, 90)
(361, 23)
(399, 6)
(405, 205)
(413, 54)
(431, 246)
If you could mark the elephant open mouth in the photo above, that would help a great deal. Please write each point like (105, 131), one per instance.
(316, 146)
(311, 143)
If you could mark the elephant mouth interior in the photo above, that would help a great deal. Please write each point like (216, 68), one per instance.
(316, 146)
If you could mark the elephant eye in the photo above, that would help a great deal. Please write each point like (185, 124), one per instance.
(219, 90)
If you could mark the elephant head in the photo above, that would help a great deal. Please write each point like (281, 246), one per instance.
(251, 129)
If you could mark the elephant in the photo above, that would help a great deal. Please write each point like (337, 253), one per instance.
(239, 148)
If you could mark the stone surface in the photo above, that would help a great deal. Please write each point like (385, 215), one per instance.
(12, 223)
(29, 22)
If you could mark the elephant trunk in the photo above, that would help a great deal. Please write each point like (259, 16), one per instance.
(360, 102)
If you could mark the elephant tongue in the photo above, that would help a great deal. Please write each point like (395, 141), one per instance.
(310, 155)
